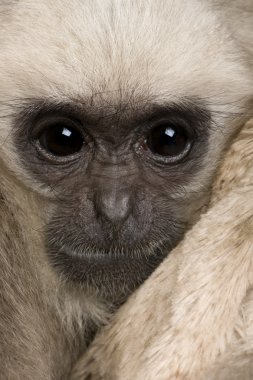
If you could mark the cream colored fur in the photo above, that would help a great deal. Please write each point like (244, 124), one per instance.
(113, 52)
(193, 318)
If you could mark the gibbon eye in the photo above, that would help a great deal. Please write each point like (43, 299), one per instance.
(61, 138)
(169, 141)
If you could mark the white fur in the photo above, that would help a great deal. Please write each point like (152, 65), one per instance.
(109, 52)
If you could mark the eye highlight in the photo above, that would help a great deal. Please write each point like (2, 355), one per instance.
(60, 138)
(171, 142)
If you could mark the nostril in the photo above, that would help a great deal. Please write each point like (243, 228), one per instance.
(115, 206)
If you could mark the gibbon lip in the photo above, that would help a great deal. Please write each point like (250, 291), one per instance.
(101, 256)
(102, 269)
(107, 255)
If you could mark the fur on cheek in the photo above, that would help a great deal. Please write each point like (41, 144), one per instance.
(197, 307)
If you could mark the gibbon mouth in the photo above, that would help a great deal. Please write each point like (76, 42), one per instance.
(89, 255)
(99, 268)
(107, 257)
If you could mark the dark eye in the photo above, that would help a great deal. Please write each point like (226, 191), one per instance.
(169, 141)
(61, 138)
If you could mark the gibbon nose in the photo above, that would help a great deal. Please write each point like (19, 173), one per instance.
(114, 205)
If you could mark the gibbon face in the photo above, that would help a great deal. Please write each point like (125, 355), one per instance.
(117, 113)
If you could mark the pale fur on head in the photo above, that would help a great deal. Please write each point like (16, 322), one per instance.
(133, 50)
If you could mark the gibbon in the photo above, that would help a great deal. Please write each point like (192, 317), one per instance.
(114, 117)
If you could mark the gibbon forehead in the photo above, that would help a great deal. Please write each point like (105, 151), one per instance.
(114, 121)
(164, 49)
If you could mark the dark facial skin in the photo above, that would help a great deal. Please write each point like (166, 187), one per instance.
(119, 179)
